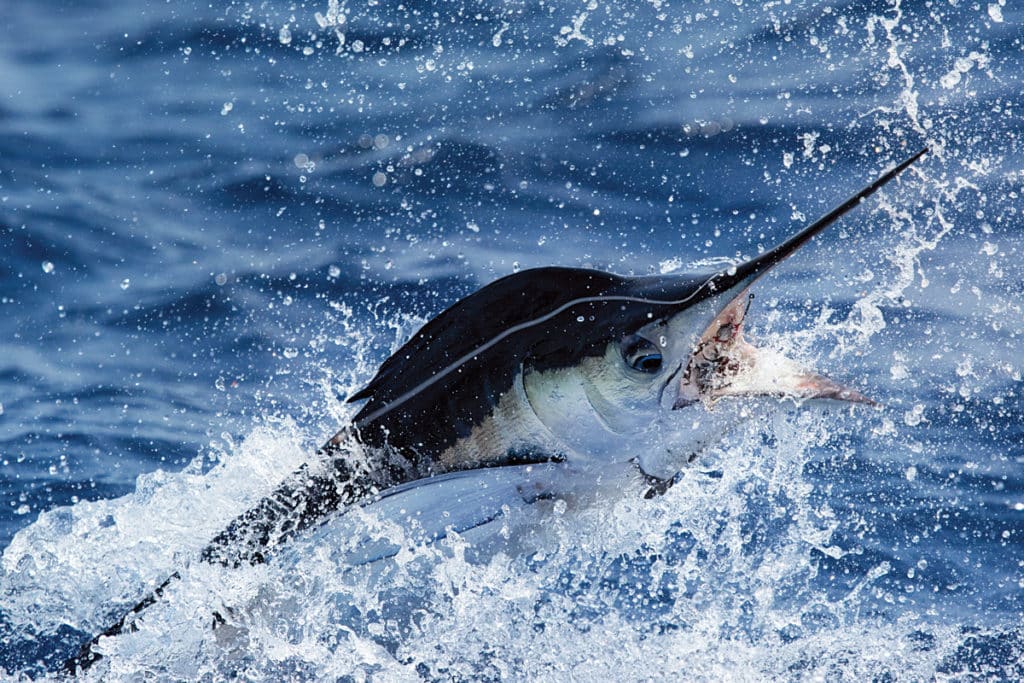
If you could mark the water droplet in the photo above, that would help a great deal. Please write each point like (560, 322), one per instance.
(284, 35)
(334, 271)
(379, 179)
(291, 353)
(914, 416)
(496, 38)
(219, 384)
(226, 109)
(221, 279)
(126, 283)
(47, 267)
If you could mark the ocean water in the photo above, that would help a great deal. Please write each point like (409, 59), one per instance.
(216, 219)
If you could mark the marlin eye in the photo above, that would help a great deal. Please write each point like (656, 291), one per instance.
(641, 354)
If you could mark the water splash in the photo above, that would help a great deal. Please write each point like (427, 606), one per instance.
(733, 573)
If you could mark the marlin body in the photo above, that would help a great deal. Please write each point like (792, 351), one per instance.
(548, 380)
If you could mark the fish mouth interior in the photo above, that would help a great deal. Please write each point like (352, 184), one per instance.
(724, 364)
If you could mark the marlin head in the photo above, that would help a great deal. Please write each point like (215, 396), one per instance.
(581, 364)
(680, 352)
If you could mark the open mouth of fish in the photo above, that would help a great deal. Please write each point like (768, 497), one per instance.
(724, 364)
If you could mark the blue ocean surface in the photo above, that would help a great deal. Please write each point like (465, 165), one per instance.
(217, 219)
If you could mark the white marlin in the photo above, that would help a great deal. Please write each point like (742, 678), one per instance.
(545, 380)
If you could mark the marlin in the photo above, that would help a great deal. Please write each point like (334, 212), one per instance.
(565, 371)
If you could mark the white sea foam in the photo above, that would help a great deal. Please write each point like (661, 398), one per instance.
(712, 580)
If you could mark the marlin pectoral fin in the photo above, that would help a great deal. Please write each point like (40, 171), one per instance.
(424, 511)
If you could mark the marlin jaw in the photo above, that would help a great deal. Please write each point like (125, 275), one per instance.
(724, 364)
